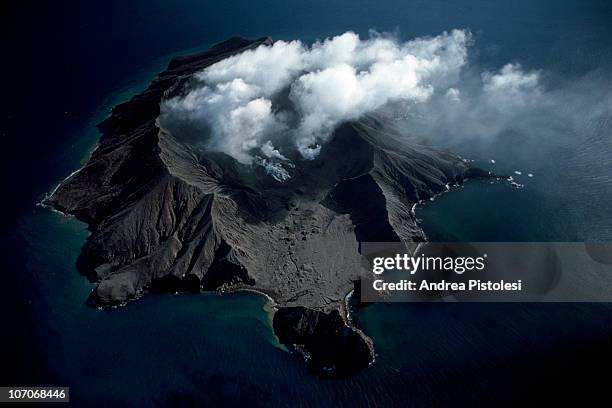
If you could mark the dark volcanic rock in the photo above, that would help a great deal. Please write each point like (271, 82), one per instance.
(165, 216)
(331, 347)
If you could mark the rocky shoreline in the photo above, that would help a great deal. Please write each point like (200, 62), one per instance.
(167, 217)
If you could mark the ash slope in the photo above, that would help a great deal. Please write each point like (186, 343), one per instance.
(166, 216)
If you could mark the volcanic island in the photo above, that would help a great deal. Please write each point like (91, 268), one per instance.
(167, 216)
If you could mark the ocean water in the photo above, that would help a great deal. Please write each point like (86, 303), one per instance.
(214, 350)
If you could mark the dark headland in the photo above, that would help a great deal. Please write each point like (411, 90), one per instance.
(165, 216)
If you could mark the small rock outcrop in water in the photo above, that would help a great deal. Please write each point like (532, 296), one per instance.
(165, 216)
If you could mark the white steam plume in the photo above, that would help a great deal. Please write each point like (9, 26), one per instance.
(262, 105)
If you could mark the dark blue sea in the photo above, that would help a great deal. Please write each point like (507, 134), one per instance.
(68, 63)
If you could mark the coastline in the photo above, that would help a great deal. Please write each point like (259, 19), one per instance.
(270, 308)
(315, 323)
(125, 92)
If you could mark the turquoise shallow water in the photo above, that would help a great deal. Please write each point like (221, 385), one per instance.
(220, 350)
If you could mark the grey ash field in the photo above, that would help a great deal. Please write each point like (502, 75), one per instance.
(166, 216)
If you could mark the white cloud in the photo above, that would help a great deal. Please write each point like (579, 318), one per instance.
(512, 85)
(453, 94)
(266, 105)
